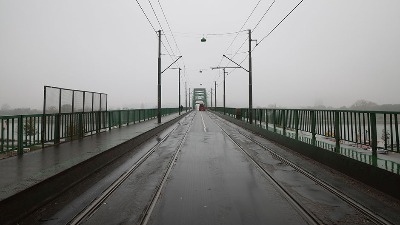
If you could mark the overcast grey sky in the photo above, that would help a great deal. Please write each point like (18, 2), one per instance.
(332, 52)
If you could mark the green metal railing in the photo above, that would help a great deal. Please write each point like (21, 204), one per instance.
(366, 129)
(21, 133)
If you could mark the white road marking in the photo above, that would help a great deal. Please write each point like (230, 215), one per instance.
(204, 125)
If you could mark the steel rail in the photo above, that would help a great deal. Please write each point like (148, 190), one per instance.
(304, 212)
(89, 210)
(150, 208)
(358, 206)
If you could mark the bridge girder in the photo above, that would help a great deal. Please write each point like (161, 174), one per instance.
(199, 94)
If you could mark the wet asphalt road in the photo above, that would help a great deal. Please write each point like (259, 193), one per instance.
(214, 183)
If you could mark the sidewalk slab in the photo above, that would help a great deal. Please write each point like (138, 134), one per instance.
(22, 172)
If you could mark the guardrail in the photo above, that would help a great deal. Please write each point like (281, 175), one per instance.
(377, 130)
(21, 133)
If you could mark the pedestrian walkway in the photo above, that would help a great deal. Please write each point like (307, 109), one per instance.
(22, 172)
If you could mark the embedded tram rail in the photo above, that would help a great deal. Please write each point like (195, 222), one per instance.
(375, 218)
(206, 170)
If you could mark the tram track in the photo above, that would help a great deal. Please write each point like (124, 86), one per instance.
(375, 218)
(91, 209)
(154, 201)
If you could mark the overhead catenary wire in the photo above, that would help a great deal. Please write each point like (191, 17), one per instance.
(146, 16)
(255, 27)
(262, 39)
(259, 21)
(243, 25)
(173, 37)
(269, 33)
(241, 28)
(155, 14)
(154, 29)
(191, 35)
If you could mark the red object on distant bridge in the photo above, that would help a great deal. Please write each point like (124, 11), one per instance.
(202, 107)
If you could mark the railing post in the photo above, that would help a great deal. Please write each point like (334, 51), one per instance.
(337, 131)
(80, 122)
(284, 122)
(296, 125)
(274, 118)
(396, 127)
(98, 122)
(20, 135)
(313, 126)
(119, 118)
(57, 128)
(373, 134)
(254, 119)
(127, 122)
(109, 113)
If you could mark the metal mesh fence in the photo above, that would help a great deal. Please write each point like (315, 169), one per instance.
(62, 100)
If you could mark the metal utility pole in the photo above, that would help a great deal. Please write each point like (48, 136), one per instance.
(223, 68)
(179, 91)
(250, 83)
(224, 90)
(250, 71)
(186, 96)
(159, 78)
(189, 97)
(211, 97)
(215, 96)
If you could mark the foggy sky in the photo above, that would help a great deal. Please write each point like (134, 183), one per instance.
(331, 52)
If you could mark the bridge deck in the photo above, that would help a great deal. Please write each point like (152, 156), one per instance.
(206, 171)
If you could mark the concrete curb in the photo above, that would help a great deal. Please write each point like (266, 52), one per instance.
(23, 203)
(378, 178)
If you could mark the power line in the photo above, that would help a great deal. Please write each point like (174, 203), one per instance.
(278, 24)
(259, 21)
(170, 30)
(146, 16)
(268, 33)
(155, 14)
(159, 23)
(264, 15)
(243, 25)
(238, 33)
(151, 24)
(240, 47)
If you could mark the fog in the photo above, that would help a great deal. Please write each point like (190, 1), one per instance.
(325, 52)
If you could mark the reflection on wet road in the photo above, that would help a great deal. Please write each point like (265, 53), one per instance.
(213, 182)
